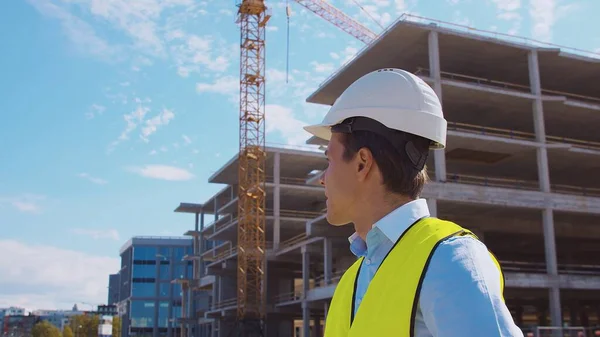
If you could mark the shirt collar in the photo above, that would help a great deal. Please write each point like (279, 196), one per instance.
(394, 224)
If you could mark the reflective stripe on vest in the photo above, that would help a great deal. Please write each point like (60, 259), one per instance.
(390, 303)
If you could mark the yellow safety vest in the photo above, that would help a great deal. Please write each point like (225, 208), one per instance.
(390, 302)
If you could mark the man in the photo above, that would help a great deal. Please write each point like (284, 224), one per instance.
(415, 275)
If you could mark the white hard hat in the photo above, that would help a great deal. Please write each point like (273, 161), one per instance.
(395, 98)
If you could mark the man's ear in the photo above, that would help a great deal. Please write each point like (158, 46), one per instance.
(364, 161)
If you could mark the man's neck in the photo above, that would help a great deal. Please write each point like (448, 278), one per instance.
(372, 210)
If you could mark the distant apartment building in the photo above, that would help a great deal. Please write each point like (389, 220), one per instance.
(149, 296)
(58, 318)
(113, 289)
(18, 325)
(12, 311)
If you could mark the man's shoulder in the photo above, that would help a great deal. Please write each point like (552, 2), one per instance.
(462, 256)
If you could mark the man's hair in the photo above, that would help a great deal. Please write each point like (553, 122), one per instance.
(399, 174)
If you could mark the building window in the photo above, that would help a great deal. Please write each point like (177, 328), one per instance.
(178, 253)
(144, 270)
(144, 253)
(164, 289)
(179, 271)
(143, 288)
(142, 314)
(163, 314)
(165, 272)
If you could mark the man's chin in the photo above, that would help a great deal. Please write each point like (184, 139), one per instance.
(336, 222)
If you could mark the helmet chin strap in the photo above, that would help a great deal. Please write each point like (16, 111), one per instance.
(396, 138)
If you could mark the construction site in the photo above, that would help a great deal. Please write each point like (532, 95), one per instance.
(518, 171)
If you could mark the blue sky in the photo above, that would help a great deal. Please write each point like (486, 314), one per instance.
(116, 111)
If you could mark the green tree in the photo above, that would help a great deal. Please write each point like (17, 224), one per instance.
(116, 326)
(67, 332)
(84, 325)
(45, 329)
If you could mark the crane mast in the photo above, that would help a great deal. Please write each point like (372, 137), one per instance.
(252, 18)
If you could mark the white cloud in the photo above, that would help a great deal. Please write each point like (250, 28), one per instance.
(163, 172)
(132, 120)
(544, 14)
(97, 234)
(186, 139)
(138, 117)
(322, 67)
(43, 276)
(26, 203)
(508, 10)
(155, 122)
(82, 34)
(149, 28)
(95, 110)
(224, 85)
(196, 53)
(93, 179)
(508, 5)
(282, 120)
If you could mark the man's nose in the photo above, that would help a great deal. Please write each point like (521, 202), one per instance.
(322, 179)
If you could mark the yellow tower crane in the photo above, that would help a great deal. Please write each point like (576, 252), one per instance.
(253, 16)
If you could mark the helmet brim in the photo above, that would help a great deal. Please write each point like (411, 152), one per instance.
(322, 131)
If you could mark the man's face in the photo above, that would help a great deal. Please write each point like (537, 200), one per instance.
(340, 183)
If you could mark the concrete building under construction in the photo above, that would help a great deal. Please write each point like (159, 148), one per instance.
(519, 170)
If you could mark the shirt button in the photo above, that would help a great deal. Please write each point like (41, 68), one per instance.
(367, 261)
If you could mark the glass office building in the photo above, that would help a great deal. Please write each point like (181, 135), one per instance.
(149, 302)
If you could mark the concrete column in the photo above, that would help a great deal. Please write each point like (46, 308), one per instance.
(216, 204)
(432, 205)
(305, 288)
(552, 266)
(538, 122)
(305, 271)
(196, 250)
(544, 181)
(202, 245)
(305, 319)
(434, 72)
(276, 200)
(327, 260)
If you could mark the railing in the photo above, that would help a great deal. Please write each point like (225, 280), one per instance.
(223, 222)
(317, 282)
(219, 253)
(494, 182)
(334, 279)
(517, 184)
(478, 80)
(584, 144)
(225, 304)
(288, 180)
(270, 212)
(292, 241)
(296, 214)
(505, 85)
(294, 295)
(513, 134)
(540, 268)
(491, 131)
